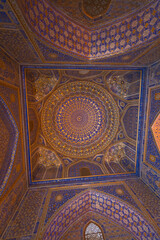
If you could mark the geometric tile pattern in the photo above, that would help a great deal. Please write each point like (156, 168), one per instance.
(10, 115)
(110, 229)
(152, 179)
(79, 117)
(130, 151)
(154, 71)
(148, 58)
(92, 44)
(130, 121)
(150, 201)
(31, 50)
(60, 197)
(79, 114)
(11, 126)
(11, 202)
(152, 136)
(9, 69)
(24, 221)
(14, 42)
(75, 170)
(4, 141)
(156, 131)
(105, 205)
(13, 38)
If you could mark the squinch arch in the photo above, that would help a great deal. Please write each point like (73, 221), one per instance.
(91, 200)
(58, 30)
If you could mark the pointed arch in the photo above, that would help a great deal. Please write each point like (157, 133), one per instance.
(107, 206)
(93, 230)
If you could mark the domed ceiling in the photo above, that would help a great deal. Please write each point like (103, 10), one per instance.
(82, 122)
(81, 72)
(84, 115)
(80, 119)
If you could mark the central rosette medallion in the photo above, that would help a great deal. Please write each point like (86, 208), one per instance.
(80, 119)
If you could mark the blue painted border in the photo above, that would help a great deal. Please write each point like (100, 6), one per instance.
(26, 124)
(77, 66)
(78, 180)
(142, 105)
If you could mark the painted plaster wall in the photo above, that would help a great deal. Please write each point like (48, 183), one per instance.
(13, 182)
(150, 165)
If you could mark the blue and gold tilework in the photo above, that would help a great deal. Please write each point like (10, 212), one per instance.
(12, 172)
(13, 38)
(130, 121)
(9, 69)
(29, 210)
(151, 177)
(92, 44)
(149, 200)
(108, 206)
(59, 198)
(109, 228)
(91, 167)
(80, 119)
(58, 210)
(154, 74)
(150, 165)
(152, 140)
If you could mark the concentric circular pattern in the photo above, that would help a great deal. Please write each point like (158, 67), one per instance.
(80, 119)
